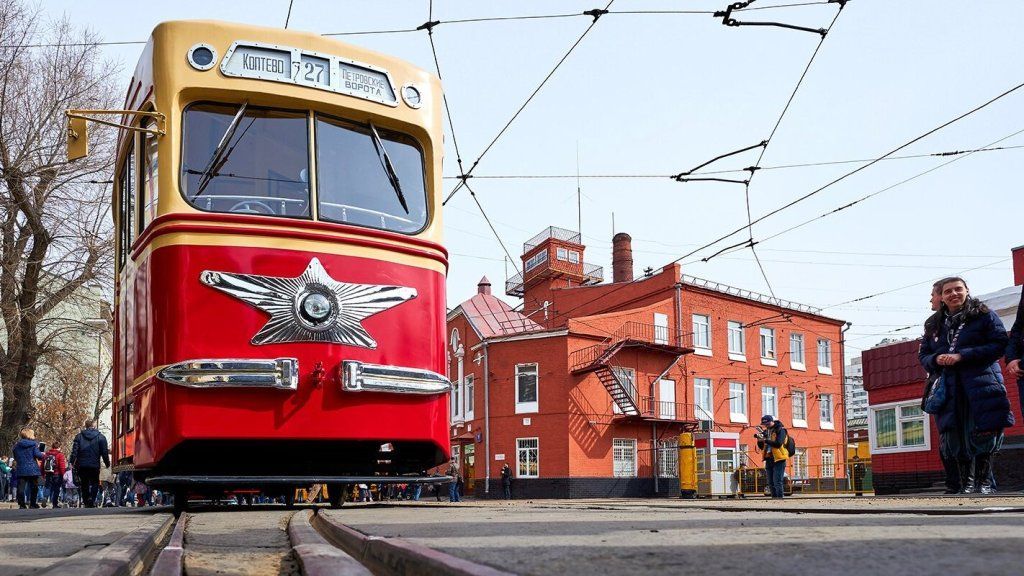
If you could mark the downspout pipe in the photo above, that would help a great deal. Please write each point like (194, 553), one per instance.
(487, 422)
(679, 313)
(842, 385)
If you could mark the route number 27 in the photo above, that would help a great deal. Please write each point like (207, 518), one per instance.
(310, 72)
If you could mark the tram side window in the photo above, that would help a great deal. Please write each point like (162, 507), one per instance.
(353, 185)
(258, 164)
(127, 209)
(149, 177)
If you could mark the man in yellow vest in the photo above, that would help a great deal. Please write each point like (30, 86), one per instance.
(772, 443)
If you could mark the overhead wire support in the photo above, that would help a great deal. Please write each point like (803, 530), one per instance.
(728, 20)
(597, 13)
(686, 176)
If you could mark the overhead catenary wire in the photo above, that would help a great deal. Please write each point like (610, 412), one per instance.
(289, 16)
(487, 219)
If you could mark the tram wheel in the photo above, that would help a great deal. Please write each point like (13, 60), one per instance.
(336, 494)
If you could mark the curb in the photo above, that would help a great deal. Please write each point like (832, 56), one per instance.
(316, 555)
(171, 561)
(397, 557)
(126, 556)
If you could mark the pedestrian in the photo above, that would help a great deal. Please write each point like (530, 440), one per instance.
(772, 443)
(27, 455)
(964, 348)
(89, 447)
(453, 485)
(5, 478)
(71, 496)
(506, 481)
(54, 466)
(955, 470)
(1015, 350)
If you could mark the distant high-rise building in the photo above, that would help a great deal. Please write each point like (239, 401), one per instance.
(856, 397)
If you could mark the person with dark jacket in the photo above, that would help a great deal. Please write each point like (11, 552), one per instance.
(772, 443)
(54, 477)
(1015, 349)
(965, 347)
(26, 457)
(89, 447)
(506, 481)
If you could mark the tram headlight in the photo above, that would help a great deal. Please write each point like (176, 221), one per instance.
(315, 307)
(202, 56)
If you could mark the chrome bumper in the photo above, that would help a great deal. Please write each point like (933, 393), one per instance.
(359, 377)
(280, 373)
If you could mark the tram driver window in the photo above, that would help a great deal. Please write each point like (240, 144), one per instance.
(353, 185)
(258, 164)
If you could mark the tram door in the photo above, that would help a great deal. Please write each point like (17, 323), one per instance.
(468, 460)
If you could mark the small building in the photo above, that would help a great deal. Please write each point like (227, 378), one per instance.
(584, 388)
(904, 440)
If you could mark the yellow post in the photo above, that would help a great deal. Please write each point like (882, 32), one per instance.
(687, 466)
(78, 139)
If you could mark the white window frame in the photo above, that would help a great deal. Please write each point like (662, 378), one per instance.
(828, 462)
(773, 409)
(660, 328)
(574, 257)
(456, 402)
(769, 350)
(623, 444)
(825, 346)
(826, 419)
(800, 464)
(899, 447)
(520, 449)
(468, 393)
(562, 254)
(794, 394)
(737, 335)
(536, 260)
(701, 334)
(668, 459)
(797, 361)
(738, 400)
(527, 407)
(698, 409)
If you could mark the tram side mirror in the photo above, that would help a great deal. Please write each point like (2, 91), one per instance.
(78, 140)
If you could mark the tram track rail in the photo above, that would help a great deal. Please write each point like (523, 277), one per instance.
(315, 544)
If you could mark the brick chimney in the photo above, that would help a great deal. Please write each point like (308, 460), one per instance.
(622, 258)
(484, 286)
(1018, 265)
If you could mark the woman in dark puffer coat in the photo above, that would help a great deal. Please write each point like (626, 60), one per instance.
(966, 346)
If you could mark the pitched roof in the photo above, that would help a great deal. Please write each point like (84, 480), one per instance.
(492, 317)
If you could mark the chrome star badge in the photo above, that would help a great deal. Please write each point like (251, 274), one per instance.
(312, 307)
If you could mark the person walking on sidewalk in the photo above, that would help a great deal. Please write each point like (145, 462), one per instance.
(772, 443)
(1015, 349)
(90, 446)
(453, 486)
(506, 481)
(26, 457)
(966, 349)
(54, 466)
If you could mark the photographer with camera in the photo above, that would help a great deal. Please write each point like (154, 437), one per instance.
(771, 440)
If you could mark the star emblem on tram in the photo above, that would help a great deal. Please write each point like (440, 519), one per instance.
(312, 307)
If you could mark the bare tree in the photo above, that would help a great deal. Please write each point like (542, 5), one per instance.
(62, 399)
(55, 225)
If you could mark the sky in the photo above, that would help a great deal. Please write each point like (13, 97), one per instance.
(655, 94)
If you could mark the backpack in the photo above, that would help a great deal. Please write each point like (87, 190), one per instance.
(50, 464)
(790, 445)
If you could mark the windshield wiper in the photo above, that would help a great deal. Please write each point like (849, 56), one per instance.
(389, 168)
(218, 155)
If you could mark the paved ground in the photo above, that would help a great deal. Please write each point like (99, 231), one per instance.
(905, 535)
(674, 537)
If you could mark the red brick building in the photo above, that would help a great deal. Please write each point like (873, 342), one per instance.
(584, 391)
(904, 440)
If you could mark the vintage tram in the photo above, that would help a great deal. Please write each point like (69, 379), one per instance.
(280, 293)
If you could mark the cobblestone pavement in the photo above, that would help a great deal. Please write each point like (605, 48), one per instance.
(253, 543)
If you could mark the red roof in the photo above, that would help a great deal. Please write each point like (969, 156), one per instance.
(492, 317)
(892, 365)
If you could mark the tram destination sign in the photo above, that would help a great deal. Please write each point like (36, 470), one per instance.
(312, 69)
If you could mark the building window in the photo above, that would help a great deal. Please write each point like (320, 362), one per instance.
(826, 406)
(668, 459)
(824, 356)
(769, 401)
(725, 460)
(702, 333)
(799, 409)
(574, 257)
(467, 392)
(627, 378)
(536, 260)
(828, 463)
(456, 404)
(624, 457)
(566, 255)
(800, 463)
(737, 402)
(702, 399)
(737, 344)
(660, 328)
(898, 428)
(528, 457)
(768, 346)
(702, 465)
(526, 388)
(796, 352)
(456, 455)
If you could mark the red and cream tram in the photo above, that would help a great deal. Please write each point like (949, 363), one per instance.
(280, 274)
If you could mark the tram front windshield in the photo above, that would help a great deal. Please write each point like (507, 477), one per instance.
(259, 164)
